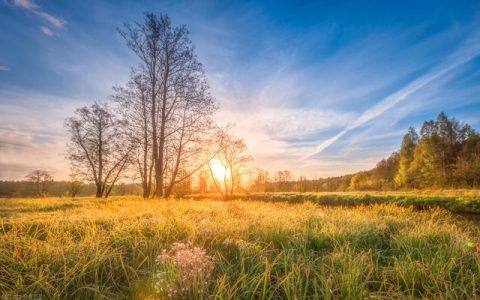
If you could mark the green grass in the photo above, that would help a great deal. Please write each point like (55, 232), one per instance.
(455, 201)
(106, 249)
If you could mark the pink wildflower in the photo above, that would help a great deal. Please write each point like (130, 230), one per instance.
(192, 270)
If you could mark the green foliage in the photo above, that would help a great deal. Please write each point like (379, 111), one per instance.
(404, 177)
(443, 152)
(360, 182)
(445, 155)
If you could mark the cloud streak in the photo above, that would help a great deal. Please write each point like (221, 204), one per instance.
(31, 6)
(30, 139)
(466, 52)
(45, 30)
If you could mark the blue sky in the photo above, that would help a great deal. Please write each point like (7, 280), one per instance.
(321, 88)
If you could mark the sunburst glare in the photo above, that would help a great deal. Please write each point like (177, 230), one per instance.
(219, 170)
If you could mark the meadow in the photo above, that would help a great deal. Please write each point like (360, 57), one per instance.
(130, 248)
(458, 201)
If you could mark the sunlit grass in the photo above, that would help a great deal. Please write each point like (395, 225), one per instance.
(88, 248)
(461, 201)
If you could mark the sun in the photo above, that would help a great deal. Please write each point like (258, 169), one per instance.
(219, 171)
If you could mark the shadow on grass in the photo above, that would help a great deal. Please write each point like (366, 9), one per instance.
(35, 209)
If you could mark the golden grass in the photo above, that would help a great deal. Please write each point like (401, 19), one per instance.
(94, 249)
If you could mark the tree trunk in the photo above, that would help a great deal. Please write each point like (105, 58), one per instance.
(38, 188)
(232, 179)
(156, 160)
(161, 147)
(100, 185)
(174, 175)
(159, 165)
(99, 191)
(146, 193)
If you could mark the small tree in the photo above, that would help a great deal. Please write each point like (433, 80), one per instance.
(406, 155)
(232, 157)
(360, 181)
(74, 184)
(40, 179)
(98, 146)
(282, 179)
(260, 181)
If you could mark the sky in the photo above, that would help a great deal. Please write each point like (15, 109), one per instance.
(322, 88)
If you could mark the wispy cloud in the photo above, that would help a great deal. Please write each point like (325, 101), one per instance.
(36, 9)
(466, 52)
(4, 68)
(266, 125)
(29, 139)
(284, 123)
(45, 30)
(283, 106)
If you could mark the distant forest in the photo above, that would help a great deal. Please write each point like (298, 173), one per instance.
(446, 154)
(12, 189)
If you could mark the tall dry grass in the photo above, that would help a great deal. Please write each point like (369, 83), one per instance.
(100, 249)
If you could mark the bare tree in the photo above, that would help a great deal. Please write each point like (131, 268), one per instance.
(75, 183)
(232, 157)
(40, 178)
(135, 106)
(281, 179)
(180, 104)
(260, 181)
(98, 146)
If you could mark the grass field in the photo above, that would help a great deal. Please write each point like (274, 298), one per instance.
(459, 201)
(99, 249)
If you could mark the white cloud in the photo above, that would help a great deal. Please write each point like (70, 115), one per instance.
(275, 136)
(466, 52)
(286, 122)
(32, 135)
(34, 8)
(4, 68)
(281, 103)
(45, 30)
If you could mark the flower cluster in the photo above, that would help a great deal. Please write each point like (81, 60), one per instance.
(184, 271)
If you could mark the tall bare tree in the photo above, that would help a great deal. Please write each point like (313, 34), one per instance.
(180, 104)
(135, 107)
(98, 146)
(40, 178)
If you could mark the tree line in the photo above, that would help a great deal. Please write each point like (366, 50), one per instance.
(446, 154)
(63, 188)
